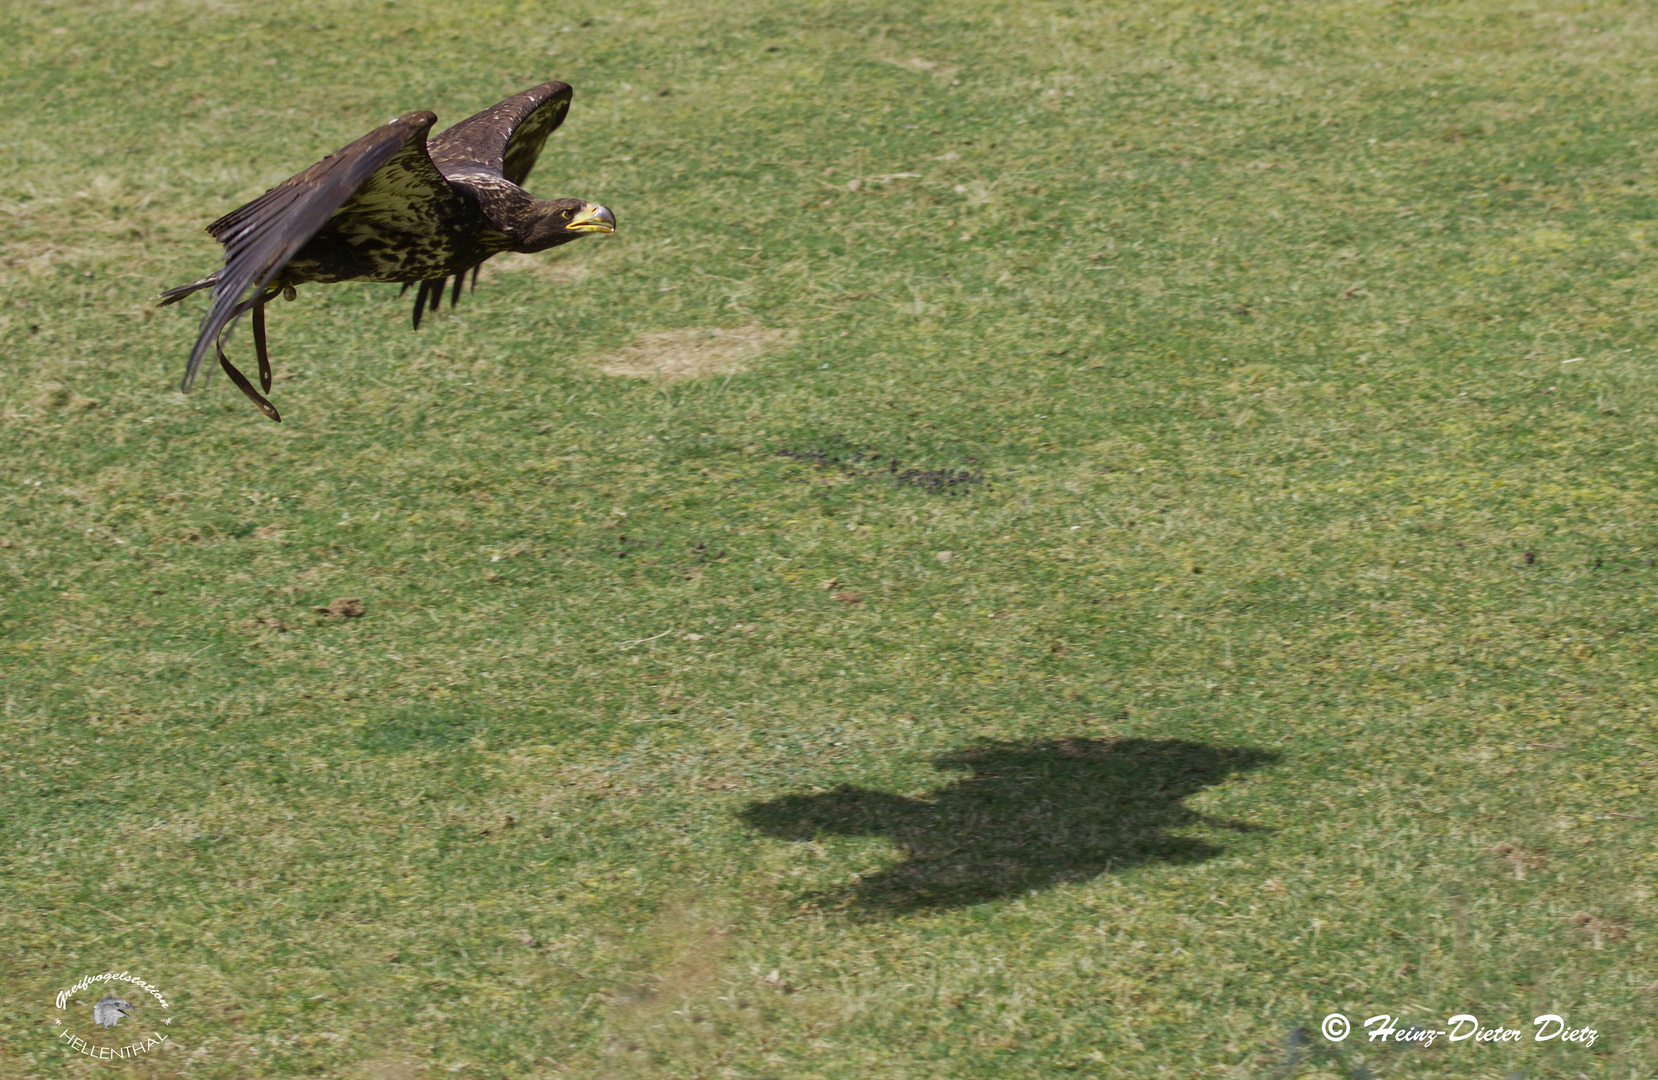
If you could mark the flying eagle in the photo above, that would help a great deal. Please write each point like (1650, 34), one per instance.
(109, 1009)
(392, 206)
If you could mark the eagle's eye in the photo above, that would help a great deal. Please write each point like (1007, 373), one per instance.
(566, 214)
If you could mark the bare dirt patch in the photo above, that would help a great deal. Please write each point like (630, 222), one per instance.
(554, 271)
(680, 355)
(57, 396)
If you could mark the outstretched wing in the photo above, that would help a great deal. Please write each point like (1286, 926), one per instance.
(504, 139)
(385, 179)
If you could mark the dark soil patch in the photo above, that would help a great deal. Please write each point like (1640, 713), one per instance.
(867, 464)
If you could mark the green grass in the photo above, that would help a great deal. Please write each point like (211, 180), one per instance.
(1293, 655)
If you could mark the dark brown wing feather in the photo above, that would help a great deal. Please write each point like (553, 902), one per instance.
(504, 139)
(385, 177)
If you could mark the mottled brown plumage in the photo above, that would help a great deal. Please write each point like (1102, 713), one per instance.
(392, 206)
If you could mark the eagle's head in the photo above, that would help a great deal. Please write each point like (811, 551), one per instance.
(109, 1009)
(559, 221)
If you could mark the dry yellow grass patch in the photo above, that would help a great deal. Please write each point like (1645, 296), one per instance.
(391, 1070)
(678, 355)
(555, 271)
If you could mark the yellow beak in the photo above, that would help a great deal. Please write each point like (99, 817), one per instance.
(592, 218)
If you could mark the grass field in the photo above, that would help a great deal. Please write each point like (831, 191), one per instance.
(1158, 548)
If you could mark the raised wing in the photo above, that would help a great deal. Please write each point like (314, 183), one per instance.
(383, 178)
(504, 139)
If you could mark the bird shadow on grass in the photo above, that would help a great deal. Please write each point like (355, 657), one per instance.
(1027, 816)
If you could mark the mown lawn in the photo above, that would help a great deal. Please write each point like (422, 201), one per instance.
(1182, 564)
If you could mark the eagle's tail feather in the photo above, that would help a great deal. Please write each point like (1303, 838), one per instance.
(174, 295)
